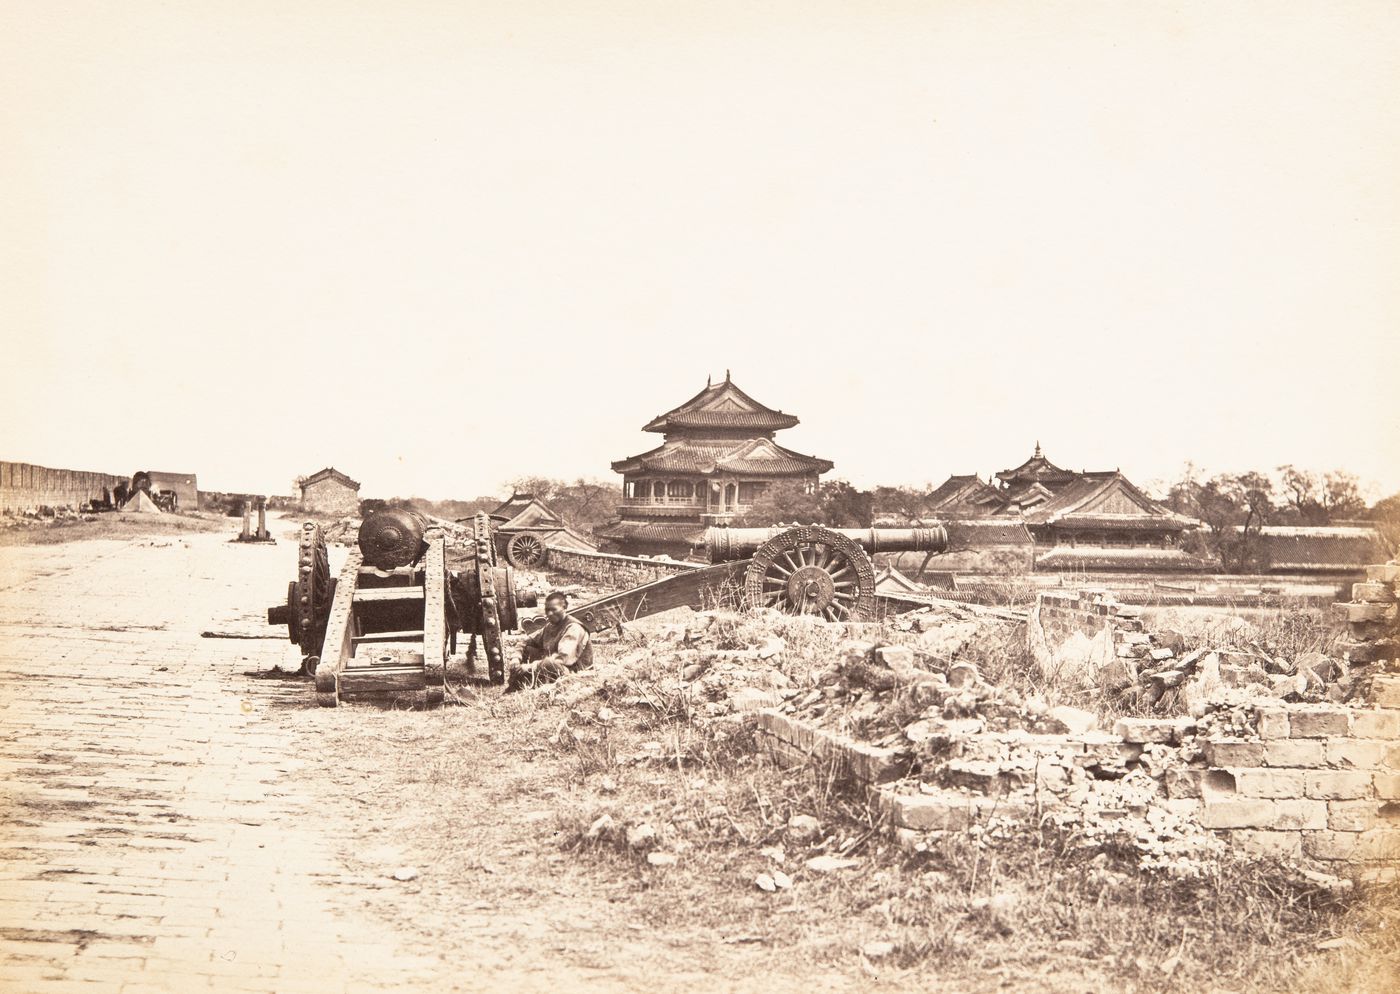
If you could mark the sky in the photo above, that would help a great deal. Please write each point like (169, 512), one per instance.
(442, 245)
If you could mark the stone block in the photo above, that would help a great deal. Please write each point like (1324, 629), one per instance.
(1234, 752)
(1357, 754)
(871, 764)
(1385, 691)
(1336, 785)
(947, 811)
(1273, 723)
(1318, 722)
(1304, 753)
(1160, 730)
(1183, 782)
(1352, 816)
(1387, 786)
(1372, 592)
(1379, 844)
(1369, 631)
(1225, 811)
(1287, 845)
(1363, 613)
(1369, 651)
(1375, 724)
(1387, 573)
(1269, 783)
(1331, 845)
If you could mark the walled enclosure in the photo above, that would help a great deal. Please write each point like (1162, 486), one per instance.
(26, 488)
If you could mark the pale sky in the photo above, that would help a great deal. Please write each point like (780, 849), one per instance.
(439, 245)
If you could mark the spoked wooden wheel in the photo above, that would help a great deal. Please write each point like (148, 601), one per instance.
(813, 570)
(525, 551)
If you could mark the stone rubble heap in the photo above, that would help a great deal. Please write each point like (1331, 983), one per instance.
(1101, 644)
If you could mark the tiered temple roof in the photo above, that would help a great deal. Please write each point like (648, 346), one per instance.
(722, 430)
(722, 406)
(716, 456)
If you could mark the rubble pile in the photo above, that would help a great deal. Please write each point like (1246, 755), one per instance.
(1090, 640)
(724, 665)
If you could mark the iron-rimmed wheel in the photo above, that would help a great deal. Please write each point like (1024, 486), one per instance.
(812, 570)
(525, 551)
(313, 591)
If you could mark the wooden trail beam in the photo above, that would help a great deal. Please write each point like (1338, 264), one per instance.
(699, 589)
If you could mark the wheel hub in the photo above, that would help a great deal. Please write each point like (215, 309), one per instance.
(810, 589)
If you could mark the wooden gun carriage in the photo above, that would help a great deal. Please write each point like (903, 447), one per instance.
(389, 622)
(797, 569)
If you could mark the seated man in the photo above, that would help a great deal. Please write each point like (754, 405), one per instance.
(562, 644)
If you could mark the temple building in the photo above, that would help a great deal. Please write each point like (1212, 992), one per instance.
(716, 457)
(1076, 521)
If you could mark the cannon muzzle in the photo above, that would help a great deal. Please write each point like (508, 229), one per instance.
(389, 539)
(726, 545)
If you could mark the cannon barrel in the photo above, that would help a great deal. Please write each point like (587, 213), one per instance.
(393, 538)
(727, 545)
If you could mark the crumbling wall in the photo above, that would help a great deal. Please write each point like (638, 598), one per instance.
(1312, 779)
(25, 487)
(612, 571)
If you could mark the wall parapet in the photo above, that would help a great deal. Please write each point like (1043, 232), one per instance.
(612, 570)
(25, 487)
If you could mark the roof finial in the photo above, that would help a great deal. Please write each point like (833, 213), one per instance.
(726, 376)
(708, 379)
(1037, 448)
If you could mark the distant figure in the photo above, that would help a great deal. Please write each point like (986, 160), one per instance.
(563, 644)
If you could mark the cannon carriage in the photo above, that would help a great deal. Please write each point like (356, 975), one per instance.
(796, 569)
(388, 623)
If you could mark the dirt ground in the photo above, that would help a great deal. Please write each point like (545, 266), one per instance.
(178, 815)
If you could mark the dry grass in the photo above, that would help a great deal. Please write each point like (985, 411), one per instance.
(112, 525)
(1288, 630)
(502, 792)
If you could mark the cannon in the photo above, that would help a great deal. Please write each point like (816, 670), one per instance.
(389, 622)
(797, 569)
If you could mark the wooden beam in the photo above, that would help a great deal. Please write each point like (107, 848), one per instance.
(389, 594)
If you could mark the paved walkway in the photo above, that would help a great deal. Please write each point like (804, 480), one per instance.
(149, 838)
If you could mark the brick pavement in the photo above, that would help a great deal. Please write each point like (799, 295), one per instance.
(150, 835)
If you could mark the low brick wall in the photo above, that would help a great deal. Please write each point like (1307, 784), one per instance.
(1309, 782)
(1319, 781)
(612, 571)
(1089, 611)
(25, 487)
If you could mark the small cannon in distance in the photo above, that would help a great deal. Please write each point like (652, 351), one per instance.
(797, 569)
(389, 622)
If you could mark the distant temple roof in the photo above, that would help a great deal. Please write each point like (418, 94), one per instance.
(525, 509)
(962, 490)
(330, 473)
(1036, 468)
(1041, 494)
(677, 533)
(1104, 500)
(1117, 560)
(721, 405)
(754, 457)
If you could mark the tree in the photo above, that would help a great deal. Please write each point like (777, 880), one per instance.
(583, 504)
(1302, 490)
(905, 503)
(1341, 495)
(836, 503)
(1321, 500)
(1234, 507)
(1385, 515)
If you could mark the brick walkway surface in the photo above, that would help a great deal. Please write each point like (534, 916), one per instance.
(149, 840)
